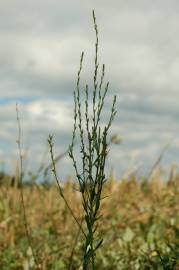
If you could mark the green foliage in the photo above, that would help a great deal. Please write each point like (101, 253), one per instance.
(9, 260)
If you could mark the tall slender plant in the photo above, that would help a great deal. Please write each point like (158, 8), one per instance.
(90, 170)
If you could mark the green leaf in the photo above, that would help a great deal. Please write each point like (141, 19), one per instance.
(99, 244)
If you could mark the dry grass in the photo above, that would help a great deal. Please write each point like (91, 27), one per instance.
(138, 218)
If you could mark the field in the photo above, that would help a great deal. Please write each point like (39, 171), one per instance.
(139, 225)
(90, 222)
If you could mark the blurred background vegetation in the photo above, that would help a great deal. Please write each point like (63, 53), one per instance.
(139, 224)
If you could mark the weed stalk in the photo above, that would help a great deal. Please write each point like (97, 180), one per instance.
(20, 182)
(90, 172)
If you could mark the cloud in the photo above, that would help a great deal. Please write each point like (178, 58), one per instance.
(140, 51)
(40, 49)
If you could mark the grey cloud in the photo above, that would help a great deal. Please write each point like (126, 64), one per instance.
(141, 56)
(40, 49)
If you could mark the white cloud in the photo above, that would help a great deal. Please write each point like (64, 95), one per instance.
(52, 113)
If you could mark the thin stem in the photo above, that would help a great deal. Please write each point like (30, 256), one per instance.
(50, 141)
(27, 231)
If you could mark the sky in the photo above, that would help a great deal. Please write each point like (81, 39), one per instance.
(40, 48)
